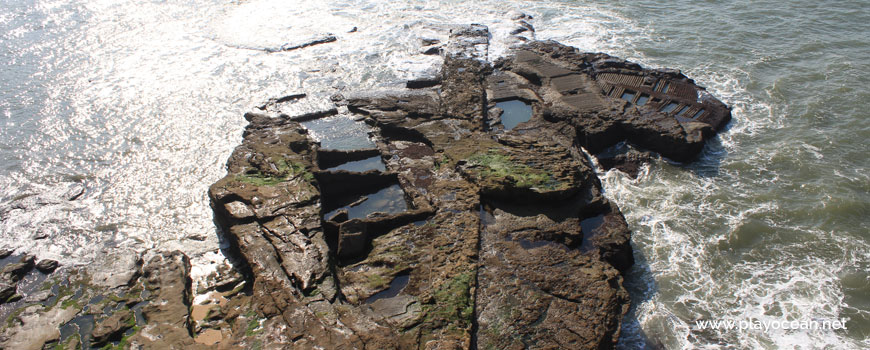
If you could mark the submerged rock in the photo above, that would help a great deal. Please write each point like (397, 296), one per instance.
(117, 269)
(629, 162)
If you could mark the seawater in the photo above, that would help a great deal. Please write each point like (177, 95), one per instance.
(515, 112)
(142, 103)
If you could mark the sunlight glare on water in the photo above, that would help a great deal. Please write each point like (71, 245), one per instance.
(140, 103)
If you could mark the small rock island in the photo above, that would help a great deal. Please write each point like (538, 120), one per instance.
(472, 219)
(462, 212)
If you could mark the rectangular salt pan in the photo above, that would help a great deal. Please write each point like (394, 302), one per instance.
(389, 200)
(670, 107)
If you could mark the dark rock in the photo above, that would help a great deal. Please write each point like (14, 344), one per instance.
(112, 328)
(608, 234)
(352, 238)
(531, 65)
(429, 41)
(299, 45)
(47, 265)
(609, 100)
(422, 83)
(331, 158)
(434, 50)
(463, 73)
(339, 217)
(39, 235)
(4, 253)
(420, 104)
(462, 88)
(548, 296)
(315, 115)
(629, 162)
(7, 291)
(13, 298)
(196, 237)
(14, 272)
(342, 183)
(522, 26)
(282, 99)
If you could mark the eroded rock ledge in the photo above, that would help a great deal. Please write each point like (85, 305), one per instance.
(503, 239)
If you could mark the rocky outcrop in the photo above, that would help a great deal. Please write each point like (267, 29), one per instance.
(526, 168)
(500, 236)
(11, 274)
(629, 161)
(167, 282)
(14, 272)
(608, 100)
(112, 328)
(472, 218)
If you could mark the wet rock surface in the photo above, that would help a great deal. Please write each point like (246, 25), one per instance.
(112, 328)
(436, 218)
(47, 265)
(608, 100)
(628, 161)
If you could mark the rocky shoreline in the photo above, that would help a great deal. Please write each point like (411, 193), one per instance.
(461, 213)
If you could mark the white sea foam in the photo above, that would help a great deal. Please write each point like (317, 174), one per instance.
(682, 276)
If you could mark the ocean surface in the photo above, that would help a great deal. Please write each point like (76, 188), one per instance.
(139, 104)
